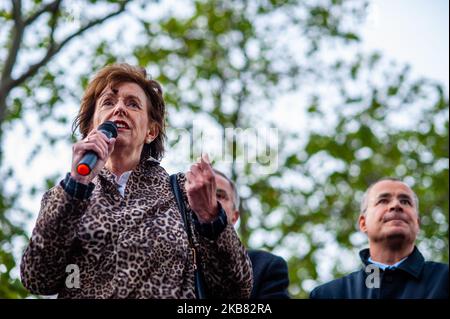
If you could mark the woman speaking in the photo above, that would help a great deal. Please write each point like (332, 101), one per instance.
(113, 228)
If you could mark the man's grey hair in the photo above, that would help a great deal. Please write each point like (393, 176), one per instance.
(236, 199)
(365, 198)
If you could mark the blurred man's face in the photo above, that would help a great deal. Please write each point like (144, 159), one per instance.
(391, 213)
(224, 193)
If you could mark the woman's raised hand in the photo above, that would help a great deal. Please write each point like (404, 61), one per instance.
(201, 190)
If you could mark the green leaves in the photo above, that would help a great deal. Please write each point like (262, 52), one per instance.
(10, 289)
(317, 185)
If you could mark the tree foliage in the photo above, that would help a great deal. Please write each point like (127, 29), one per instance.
(229, 62)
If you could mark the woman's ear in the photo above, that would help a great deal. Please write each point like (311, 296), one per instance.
(152, 133)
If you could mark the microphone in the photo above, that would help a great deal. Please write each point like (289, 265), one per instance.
(89, 159)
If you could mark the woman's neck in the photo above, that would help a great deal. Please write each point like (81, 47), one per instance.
(122, 161)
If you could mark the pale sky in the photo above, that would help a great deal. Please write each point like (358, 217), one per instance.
(412, 31)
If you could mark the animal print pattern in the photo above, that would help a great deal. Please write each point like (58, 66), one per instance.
(128, 247)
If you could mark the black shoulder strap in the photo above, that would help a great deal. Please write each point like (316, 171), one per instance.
(179, 198)
(199, 280)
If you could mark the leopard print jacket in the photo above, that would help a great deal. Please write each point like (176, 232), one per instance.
(128, 247)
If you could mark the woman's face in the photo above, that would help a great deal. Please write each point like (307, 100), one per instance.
(126, 105)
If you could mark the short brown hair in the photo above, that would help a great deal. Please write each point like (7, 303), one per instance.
(111, 76)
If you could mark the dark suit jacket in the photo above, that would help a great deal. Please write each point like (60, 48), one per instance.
(270, 276)
(415, 278)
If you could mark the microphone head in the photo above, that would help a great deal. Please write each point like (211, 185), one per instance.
(109, 128)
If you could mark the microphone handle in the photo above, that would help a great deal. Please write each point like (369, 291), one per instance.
(87, 163)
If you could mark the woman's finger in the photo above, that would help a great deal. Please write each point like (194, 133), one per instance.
(99, 141)
(111, 144)
(97, 133)
(205, 158)
(206, 167)
(189, 178)
(204, 162)
(195, 170)
(100, 151)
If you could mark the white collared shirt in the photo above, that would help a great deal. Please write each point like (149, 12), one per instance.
(121, 182)
(385, 266)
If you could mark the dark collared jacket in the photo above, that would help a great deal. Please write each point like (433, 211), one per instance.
(414, 278)
(270, 276)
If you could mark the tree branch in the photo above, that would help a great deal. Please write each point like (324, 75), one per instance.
(50, 7)
(16, 40)
(94, 23)
(54, 22)
(53, 49)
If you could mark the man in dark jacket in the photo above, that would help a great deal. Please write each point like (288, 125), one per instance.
(393, 266)
(270, 272)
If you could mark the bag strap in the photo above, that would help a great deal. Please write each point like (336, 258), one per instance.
(180, 202)
(200, 291)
